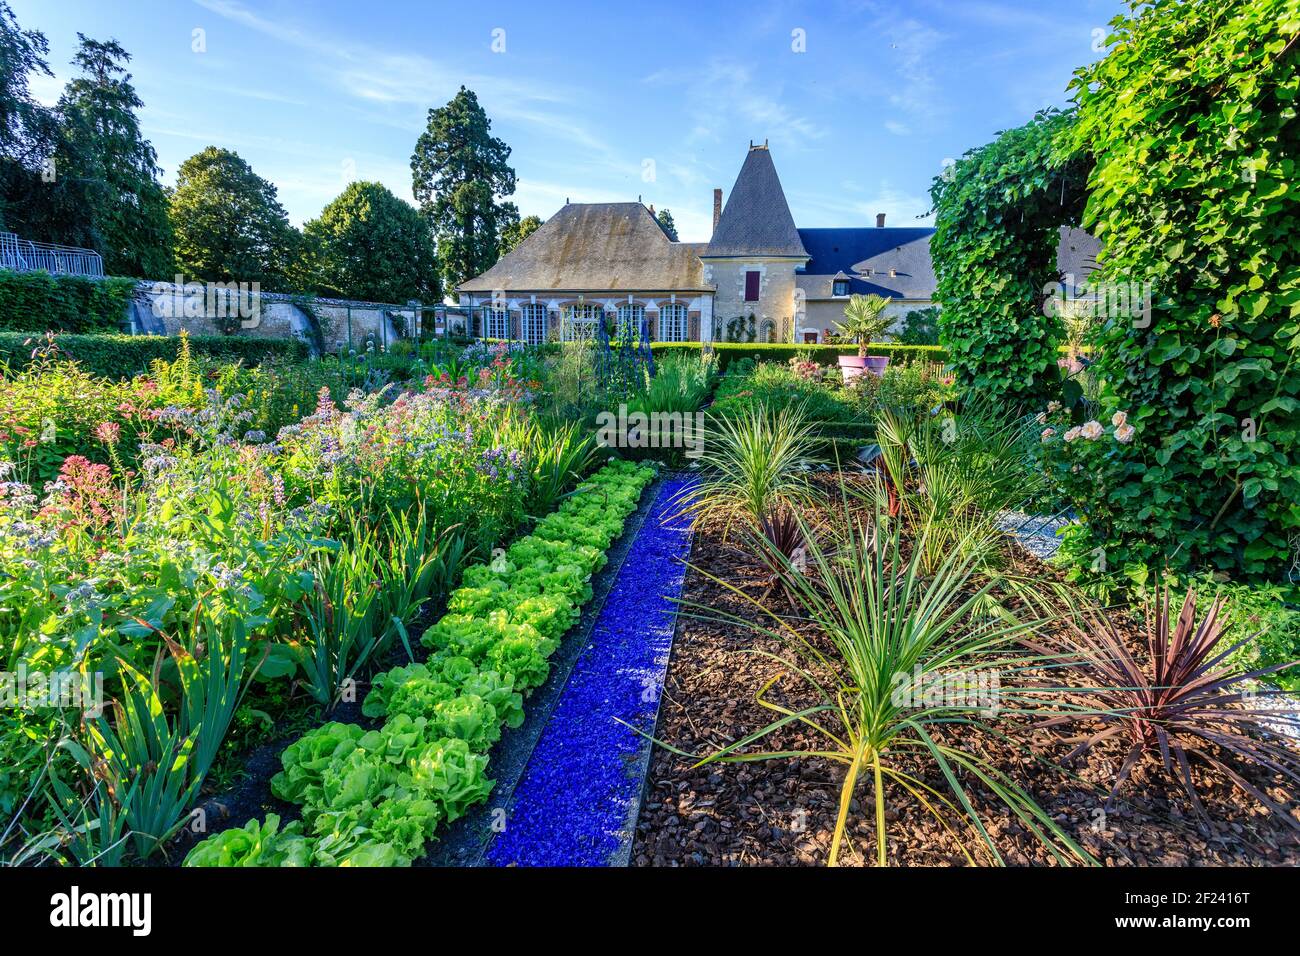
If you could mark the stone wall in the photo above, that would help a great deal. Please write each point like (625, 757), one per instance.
(775, 294)
(822, 315)
(332, 325)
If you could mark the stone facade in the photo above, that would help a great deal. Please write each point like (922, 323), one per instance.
(773, 311)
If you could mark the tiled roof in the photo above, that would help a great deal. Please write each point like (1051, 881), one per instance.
(756, 220)
(906, 250)
(596, 247)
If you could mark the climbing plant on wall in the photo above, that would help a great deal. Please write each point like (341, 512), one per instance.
(1192, 118)
(998, 213)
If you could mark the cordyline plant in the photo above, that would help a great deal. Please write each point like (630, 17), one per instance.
(912, 657)
(754, 464)
(1177, 702)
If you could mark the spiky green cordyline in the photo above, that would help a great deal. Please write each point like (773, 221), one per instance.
(889, 624)
(753, 463)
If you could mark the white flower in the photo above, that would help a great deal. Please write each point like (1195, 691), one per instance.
(1042, 418)
(1072, 434)
(1119, 419)
(1053, 406)
(1124, 434)
(1047, 433)
(1092, 430)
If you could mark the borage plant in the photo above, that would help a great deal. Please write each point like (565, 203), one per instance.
(910, 659)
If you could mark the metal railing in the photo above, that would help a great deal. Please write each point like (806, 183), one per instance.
(23, 255)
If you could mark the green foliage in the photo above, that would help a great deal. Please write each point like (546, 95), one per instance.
(229, 225)
(254, 844)
(126, 209)
(514, 233)
(458, 171)
(997, 217)
(368, 244)
(124, 356)
(40, 302)
(1192, 116)
(1259, 616)
(920, 327)
(865, 320)
(665, 220)
(830, 410)
(732, 352)
(376, 797)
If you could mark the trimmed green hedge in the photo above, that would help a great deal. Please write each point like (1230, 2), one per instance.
(38, 301)
(729, 352)
(121, 357)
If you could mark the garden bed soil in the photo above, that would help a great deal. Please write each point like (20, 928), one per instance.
(782, 812)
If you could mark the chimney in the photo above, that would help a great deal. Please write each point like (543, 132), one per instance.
(652, 209)
(717, 208)
(880, 220)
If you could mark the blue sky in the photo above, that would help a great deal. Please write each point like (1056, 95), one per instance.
(599, 101)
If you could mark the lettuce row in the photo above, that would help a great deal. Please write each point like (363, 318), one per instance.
(374, 798)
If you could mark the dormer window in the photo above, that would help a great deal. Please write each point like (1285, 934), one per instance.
(840, 287)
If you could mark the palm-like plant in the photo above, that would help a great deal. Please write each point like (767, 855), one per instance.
(951, 476)
(1176, 703)
(864, 320)
(754, 464)
(895, 635)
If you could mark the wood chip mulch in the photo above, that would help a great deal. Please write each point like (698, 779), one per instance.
(782, 812)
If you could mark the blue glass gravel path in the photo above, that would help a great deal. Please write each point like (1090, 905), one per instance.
(573, 804)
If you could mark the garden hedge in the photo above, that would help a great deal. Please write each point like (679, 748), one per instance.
(118, 356)
(729, 352)
(39, 301)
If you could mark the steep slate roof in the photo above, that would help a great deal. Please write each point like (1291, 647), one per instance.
(596, 247)
(907, 251)
(853, 251)
(756, 220)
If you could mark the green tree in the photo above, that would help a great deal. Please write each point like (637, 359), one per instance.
(102, 147)
(369, 244)
(516, 232)
(459, 175)
(28, 132)
(665, 219)
(228, 222)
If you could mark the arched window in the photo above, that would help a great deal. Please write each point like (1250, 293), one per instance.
(496, 323)
(672, 322)
(533, 321)
(580, 322)
(630, 318)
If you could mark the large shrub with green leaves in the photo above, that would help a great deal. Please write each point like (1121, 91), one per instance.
(40, 302)
(998, 213)
(1192, 118)
(122, 357)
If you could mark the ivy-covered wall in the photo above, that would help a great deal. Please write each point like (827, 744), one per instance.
(1192, 118)
(998, 212)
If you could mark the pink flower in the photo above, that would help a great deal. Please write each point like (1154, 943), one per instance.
(1047, 433)
(1119, 418)
(1072, 434)
(108, 432)
(1041, 418)
(1092, 430)
(1124, 434)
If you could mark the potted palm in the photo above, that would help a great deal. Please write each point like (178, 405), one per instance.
(864, 321)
